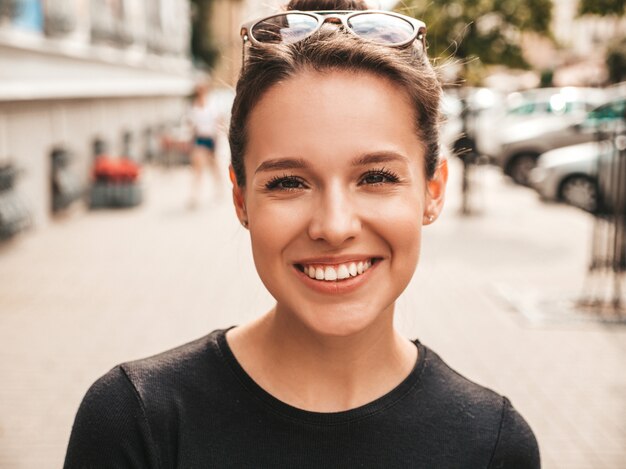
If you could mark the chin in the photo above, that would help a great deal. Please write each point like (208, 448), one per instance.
(339, 320)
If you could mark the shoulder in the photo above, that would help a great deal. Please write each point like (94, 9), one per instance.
(457, 390)
(128, 414)
(486, 417)
(110, 428)
(183, 362)
(174, 383)
(516, 447)
(112, 392)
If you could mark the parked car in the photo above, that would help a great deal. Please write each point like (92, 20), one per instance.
(550, 103)
(523, 142)
(451, 108)
(591, 176)
(569, 174)
(465, 110)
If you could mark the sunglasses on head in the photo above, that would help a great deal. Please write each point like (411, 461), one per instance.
(379, 27)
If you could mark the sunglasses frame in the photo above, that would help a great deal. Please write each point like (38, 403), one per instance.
(340, 17)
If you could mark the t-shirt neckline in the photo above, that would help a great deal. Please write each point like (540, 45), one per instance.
(376, 406)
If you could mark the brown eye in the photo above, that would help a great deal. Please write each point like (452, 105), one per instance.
(285, 183)
(379, 177)
(374, 179)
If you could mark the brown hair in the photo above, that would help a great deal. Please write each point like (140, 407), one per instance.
(321, 5)
(333, 49)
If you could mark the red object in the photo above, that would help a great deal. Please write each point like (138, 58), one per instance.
(111, 169)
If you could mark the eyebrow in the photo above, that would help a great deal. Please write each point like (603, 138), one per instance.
(380, 157)
(281, 164)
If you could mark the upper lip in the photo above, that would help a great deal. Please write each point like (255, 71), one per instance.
(334, 260)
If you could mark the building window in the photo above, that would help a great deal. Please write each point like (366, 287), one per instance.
(26, 15)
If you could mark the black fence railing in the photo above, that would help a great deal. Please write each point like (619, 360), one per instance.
(604, 290)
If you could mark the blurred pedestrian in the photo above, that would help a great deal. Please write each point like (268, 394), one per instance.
(335, 170)
(204, 118)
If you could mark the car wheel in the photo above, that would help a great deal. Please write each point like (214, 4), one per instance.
(580, 191)
(521, 166)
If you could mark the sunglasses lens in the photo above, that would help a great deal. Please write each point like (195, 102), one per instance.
(287, 28)
(381, 28)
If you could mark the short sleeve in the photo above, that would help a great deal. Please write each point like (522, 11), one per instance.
(111, 429)
(516, 447)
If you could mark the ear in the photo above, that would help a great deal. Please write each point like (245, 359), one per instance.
(238, 198)
(435, 193)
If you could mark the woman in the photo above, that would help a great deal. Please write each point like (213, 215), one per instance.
(334, 142)
(204, 119)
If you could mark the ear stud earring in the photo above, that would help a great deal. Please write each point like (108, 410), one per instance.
(430, 218)
(244, 223)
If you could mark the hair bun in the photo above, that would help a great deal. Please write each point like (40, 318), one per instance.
(321, 5)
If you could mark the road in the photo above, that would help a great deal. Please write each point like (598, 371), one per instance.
(492, 296)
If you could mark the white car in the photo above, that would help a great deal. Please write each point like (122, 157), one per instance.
(451, 108)
(522, 143)
(531, 113)
(570, 174)
(479, 104)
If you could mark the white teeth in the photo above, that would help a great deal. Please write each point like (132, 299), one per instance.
(330, 274)
(343, 272)
(339, 272)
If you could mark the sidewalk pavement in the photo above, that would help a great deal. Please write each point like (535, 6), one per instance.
(100, 288)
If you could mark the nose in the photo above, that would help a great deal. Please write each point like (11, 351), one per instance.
(335, 217)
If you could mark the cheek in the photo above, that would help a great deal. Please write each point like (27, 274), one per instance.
(266, 239)
(266, 248)
(405, 240)
(273, 226)
(400, 225)
(402, 214)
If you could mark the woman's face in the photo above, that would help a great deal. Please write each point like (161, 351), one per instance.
(335, 198)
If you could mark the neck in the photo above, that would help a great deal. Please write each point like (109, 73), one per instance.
(323, 373)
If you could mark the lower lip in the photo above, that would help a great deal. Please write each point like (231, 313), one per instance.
(339, 287)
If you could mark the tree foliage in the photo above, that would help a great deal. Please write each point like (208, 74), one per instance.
(616, 61)
(203, 48)
(616, 52)
(486, 29)
(602, 7)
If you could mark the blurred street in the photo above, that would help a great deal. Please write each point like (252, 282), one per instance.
(492, 296)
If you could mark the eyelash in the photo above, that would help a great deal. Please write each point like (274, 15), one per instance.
(276, 181)
(390, 176)
(274, 184)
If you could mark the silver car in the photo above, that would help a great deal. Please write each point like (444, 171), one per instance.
(524, 142)
(477, 104)
(583, 175)
(569, 174)
(519, 107)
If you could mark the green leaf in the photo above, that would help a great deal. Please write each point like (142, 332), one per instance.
(602, 7)
(487, 29)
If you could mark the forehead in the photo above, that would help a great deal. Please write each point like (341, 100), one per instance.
(332, 114)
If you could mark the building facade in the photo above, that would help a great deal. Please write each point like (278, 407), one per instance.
(80, 76)
(578, 53)
(226, 20)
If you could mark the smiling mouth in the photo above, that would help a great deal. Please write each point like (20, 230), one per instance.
(338, 272)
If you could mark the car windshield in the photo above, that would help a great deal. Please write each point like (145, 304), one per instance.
(556, 105)
(609, 111)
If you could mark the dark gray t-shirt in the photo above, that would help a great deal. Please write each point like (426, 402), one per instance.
(195, 407)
